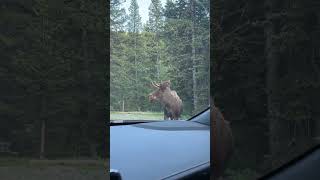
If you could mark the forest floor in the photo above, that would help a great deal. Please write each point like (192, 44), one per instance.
(26, 169)
(241, 174)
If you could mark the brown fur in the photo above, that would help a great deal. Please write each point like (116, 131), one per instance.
(221, 142)
(169, 99)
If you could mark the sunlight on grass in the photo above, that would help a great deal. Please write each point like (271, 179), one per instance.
(136, 115)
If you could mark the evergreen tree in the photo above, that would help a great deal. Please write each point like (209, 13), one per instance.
(48, 97)
(134, 24)
(155, 21)
(155, 24)
(118, 15)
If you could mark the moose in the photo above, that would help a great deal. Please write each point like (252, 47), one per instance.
(221, 142)
(169, 99)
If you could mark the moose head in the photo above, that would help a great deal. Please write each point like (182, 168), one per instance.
(160, 89)
(169, 99)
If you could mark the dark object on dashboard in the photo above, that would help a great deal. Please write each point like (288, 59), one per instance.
(115, 175)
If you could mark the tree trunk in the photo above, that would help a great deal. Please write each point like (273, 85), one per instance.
(86, 64)
(43, 117)
(193, 57)
(135, 65)
(43, 90)
(86, 59)
(43, 132)
(123, 105)
(272, 62)
(158, 59)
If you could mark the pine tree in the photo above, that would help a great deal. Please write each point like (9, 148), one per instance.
(134, 24)
(155, 25)
(134, 27)
(155, 22)
(117, 15)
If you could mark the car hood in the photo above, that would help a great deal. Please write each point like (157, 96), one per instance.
(158, 150)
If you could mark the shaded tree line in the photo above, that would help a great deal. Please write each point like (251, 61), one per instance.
(53, 78)
(266, 78)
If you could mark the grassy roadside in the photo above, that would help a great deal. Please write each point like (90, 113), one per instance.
(115, 115)
(133, 115)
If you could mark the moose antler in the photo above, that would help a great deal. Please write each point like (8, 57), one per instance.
(157, 85)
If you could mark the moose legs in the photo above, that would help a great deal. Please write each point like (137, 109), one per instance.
(166, 114)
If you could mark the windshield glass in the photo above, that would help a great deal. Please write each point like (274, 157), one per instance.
(159, 59)
(203, 117)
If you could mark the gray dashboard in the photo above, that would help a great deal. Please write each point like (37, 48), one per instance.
(159, 150)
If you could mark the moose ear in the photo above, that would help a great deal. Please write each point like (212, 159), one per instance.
(167, 83)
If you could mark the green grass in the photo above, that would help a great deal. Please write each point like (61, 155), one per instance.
(116, 115)
(136, 115)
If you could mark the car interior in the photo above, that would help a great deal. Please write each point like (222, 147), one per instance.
(305, 166)
(200, 172)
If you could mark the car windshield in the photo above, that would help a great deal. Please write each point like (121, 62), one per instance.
(203, 117)
(159, 59)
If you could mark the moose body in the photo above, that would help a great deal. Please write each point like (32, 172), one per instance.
(168, 98)
(221, 142)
